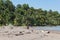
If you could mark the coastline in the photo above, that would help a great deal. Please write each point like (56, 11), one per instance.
(21, 33)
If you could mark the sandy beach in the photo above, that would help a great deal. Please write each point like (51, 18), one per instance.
(19, 33)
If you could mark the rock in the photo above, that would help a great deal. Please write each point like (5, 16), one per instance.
(27, 27)
(11, 27)
(32, 30)
(28, 32)
(20, 33)
(48, 32)
(6, 31)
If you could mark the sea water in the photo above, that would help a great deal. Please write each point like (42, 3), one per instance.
(57, 28)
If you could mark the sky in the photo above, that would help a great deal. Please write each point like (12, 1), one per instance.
(44, 4)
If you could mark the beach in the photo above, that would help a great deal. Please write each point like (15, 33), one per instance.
(21, 33)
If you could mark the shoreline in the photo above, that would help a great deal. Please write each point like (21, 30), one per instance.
(21, 33)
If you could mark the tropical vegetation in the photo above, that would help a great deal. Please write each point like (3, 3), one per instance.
(23, 15)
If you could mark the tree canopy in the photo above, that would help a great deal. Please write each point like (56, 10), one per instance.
(23, 15)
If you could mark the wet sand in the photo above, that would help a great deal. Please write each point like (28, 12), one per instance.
(20, 33)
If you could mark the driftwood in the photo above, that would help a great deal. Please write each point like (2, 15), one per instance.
(27, 27)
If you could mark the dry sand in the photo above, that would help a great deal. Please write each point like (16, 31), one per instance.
(19, 33)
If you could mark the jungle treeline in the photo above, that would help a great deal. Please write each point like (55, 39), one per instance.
(23, 15)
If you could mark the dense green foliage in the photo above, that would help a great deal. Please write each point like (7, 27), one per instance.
(23, 15)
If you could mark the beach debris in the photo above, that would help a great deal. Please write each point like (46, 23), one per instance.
(42, 31)
(27, 27)
(11, 27)
(27, 32)
(37, 31)
(20, 33)
(6, 31)
(48, 32)
(45, 31)
(32, 30)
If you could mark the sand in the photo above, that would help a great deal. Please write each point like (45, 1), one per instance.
(19, 33)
